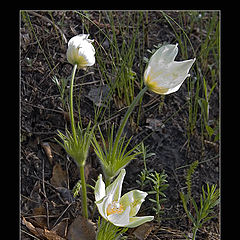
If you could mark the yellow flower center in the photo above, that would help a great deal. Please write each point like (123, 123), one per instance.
(81, 61)
(154, 86)
(114, 207)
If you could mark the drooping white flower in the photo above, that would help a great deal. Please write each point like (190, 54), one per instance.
(163, 75)
(81, 51)
(118, 210)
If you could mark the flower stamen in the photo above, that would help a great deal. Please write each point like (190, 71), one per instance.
(114, 207)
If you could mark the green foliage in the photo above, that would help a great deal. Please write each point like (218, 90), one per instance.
(145, 154)
(76, 189)
(47, 57)
(204, 104)
(119, 76)
(113, 155)
(206, 66)
(108, 231)
(208, 200)
(159, 182)
(124, 54)
(190, 172)
(143, 178)
(61, 85)
(77, 148)
(145, 172)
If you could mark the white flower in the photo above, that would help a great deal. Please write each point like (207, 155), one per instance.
(163, 75)
(81, 51)
(120, 211)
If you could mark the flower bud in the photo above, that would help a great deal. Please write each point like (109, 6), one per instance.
(81, 51)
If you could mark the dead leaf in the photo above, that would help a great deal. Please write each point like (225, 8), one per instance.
(59, 176)
(48, 151)
(99, 95)
(143, 231)
(41, 233)
(67, 118)
(61, 228)
(38, 212)
(56, 148)
(30, 227)
(51, 235)
(81, 229)
(154, 124)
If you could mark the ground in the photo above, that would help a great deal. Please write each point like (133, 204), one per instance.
(48, 174)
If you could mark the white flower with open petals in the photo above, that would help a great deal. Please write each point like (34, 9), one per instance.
(81, 51)
(120, 211)
(163, 75)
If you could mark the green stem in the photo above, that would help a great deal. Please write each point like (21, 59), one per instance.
(84, 192)
(81, 163)
(158, 207)
(71, 104)
(194, 233)
(127, 114)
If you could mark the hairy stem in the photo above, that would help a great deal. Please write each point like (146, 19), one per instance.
(127, 114)
(71, 103)
(84, 192)
(194, 233)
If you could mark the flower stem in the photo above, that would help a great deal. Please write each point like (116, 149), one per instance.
(194, 232)
(84, 192)
(81, 162)
(127, 114)
(71, 104)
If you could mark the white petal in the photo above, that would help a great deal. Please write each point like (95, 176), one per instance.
(99, 190)
(166, 54)
(114, 189)
(120, 220)
(136, 221)
(102, 206)
(84, 36)
(76, 41)
(134, 199)
(174, 89)
(170, 53)
(182, 66)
